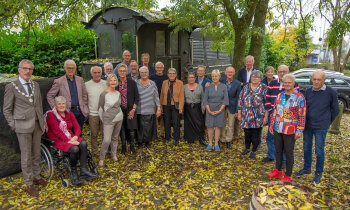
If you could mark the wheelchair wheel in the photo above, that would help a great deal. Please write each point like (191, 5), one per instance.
(91, 163)
(65, 183)
(46, 163)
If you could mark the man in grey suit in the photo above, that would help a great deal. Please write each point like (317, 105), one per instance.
(73, 89)
(24, 114)
(233, 90)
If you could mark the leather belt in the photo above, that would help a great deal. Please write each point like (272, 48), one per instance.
(75, 107)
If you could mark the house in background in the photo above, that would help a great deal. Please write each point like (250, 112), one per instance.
(140, 31)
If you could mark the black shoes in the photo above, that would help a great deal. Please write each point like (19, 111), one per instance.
(252, 155)
(75, 178)
(245, 152)
(123, 149)
(267, 160)
(229, 145)
(86, 174)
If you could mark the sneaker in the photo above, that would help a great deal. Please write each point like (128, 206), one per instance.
(217, 148)
(302, 172)
(252, 155)
(286, 179)
(209, 148)
(245, 152)
(276, 173)
(317, 179)
(267, 160)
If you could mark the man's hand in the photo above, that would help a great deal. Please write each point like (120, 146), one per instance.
(298, 135)
(158, 113)
(271, 130)
(180, 111)
(207, 84)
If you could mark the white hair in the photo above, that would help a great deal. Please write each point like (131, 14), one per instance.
(289, 76)
(107, 64)
(144, 67)
(172, 69)
(25, 61)
(159, 62)
(250, 57)
(68, 62)
(59, 99)
(216, 71)
(97, 67)
(257, 73)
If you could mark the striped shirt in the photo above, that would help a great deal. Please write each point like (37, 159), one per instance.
(274, 88)
(149, 98)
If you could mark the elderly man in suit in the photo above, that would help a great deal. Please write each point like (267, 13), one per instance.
(73, 88)
(201, 79)
(244, 73)
(232, 126)
(24, 113)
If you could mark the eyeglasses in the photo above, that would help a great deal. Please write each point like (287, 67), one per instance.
(281, 72)
(25, 68)
(171, 73)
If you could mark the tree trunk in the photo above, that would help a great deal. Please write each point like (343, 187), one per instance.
(345, 61)
(239, 50)
(259, 28)
(335, 59)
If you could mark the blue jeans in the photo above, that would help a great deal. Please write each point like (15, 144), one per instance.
(271, 150)
(80, 118)
(320, 138)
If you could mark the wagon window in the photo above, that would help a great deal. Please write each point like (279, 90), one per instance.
(127, 41)
(105, 42)
(340, 82)
(160, 42)
(174, 43)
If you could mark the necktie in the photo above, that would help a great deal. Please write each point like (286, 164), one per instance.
(29, 88)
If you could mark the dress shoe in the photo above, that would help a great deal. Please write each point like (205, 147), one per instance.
(235, 141)
(86, 174)
(41, 182)
(176, 142)
(132, 149)
(228, 145)
(245, 152)
(203, 142)
(75, 178)
(32, 191)
(123, 149)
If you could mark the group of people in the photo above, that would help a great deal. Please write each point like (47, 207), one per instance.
(131, 101)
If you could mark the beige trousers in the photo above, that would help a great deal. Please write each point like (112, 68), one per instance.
(29, 144)
(95, 126)
(231, 131)
(110, 137)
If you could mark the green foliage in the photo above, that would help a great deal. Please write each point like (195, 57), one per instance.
(287, 47)
(48, 48)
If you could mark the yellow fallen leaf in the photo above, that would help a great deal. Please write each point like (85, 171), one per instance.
(270, 192)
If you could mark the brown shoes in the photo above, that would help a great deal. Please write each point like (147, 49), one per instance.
(235, 141)
(32, 191)
(41, 182)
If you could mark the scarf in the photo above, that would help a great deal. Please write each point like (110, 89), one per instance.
(62, 125)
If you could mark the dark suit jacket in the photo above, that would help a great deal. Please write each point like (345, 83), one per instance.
(19, 111)
(132, 96)
(233, 94)
(205, 80)
(60, 88)
(242, 75)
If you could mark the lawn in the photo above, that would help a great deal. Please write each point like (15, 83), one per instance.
(184, 177)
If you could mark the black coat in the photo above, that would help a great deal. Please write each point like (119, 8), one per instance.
(132, 96)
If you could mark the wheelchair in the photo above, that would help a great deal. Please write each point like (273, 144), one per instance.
(52, 159)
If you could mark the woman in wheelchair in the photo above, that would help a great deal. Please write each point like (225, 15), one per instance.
(62, 127)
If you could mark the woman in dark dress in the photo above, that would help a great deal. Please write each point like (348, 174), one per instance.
(193, 111)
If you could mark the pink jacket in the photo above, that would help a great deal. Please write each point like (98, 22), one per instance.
(60, 88)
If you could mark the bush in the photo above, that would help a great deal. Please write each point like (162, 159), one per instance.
(48, 49)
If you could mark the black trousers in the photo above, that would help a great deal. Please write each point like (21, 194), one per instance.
(252, 136)
(171, 115)
(286, 143)
(126, 135)
(78, 151)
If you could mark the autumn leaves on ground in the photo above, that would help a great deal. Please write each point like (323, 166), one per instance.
(184, 177)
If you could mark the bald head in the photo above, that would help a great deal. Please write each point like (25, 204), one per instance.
(282, 70)
(318, 79)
